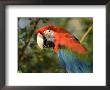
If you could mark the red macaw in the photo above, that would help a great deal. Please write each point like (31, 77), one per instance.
(70, 51)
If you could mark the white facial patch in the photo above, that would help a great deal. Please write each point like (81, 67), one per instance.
(49, 34)
(40, 40)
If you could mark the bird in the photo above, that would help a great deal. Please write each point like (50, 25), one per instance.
(72, 55)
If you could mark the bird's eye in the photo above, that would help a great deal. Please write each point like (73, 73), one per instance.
(48, 30)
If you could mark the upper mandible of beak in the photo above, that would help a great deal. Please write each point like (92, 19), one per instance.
(40, 40)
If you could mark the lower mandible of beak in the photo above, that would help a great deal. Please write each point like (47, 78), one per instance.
(40, 40)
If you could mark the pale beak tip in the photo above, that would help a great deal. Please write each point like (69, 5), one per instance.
(40, 40)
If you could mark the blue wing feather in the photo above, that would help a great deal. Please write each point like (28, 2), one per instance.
(69, 60)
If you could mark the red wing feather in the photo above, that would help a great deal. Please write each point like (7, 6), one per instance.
(69, 41)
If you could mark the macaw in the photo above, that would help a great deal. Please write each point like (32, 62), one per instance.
(71, 53)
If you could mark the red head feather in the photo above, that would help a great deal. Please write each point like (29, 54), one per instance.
(63, 38)
(50, 27)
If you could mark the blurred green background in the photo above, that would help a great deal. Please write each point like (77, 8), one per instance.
(31, 59)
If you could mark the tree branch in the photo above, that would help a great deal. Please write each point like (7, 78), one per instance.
(85, 35)
(27, 42)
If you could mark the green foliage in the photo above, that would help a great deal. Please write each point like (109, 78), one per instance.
(31, 59)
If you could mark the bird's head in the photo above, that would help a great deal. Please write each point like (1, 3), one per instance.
(46, 36)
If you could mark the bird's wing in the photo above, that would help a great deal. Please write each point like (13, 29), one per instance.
(72, 63)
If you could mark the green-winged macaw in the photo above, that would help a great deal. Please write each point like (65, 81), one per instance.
(71, 53)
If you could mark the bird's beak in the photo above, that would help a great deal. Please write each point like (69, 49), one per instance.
(40, 40)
